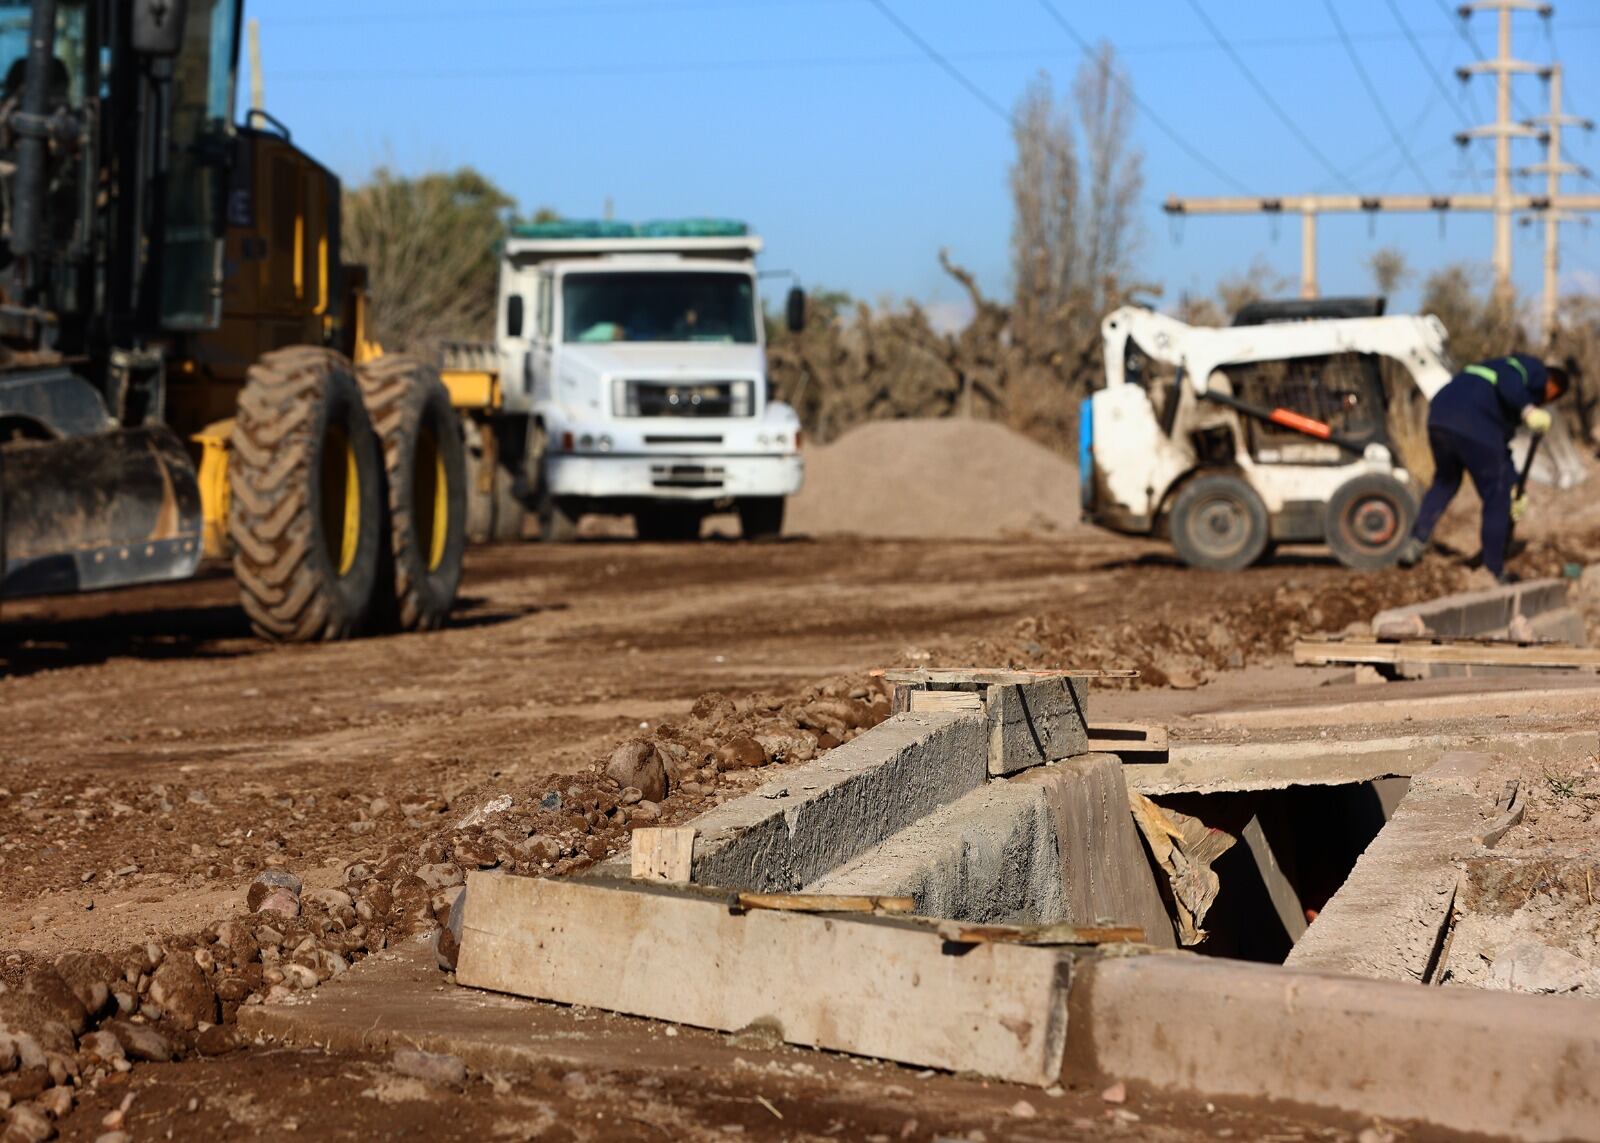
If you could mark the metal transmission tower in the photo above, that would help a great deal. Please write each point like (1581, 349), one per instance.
(1503, 202)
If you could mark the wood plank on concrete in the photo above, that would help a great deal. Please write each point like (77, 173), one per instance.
(1318, 653)
(1400, 703)
(868, 986)
(662, 853)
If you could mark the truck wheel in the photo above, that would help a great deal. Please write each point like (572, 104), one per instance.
(667, 524)
(426, 477)
(1219, 523)
(479, 455)
(761, 517)
(306, 488)
(1368, 521)
(558, 517)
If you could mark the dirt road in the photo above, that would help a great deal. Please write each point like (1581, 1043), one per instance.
(155, 758)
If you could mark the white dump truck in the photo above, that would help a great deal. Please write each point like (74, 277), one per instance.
(1273, 430)
(628, 377)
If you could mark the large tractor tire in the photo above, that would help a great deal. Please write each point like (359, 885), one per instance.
(1219, 523)
(306, 498)
(1369, 520)
(425, 474)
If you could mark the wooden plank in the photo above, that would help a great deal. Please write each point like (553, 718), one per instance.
(989, 676)
(926, 700)
(872, 986)
(1040, 935)
(826, 903)
(1316, 653)
(1126, 738)
(663, 854)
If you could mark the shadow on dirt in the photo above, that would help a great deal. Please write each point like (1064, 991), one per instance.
(46, 644)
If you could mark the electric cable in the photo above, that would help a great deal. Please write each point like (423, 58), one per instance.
(1267, 97)
(1372, 92)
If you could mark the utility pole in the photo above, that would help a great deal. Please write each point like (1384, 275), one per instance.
(1553, 168)
(1503, 202)
(257, 83)
(1503, 129)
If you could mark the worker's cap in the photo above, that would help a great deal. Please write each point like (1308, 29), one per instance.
(1558, 377)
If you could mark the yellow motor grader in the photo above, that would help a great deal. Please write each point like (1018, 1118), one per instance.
(183, 371)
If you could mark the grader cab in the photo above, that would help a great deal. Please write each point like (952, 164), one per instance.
(183, 367)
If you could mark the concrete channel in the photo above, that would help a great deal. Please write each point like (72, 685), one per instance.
(981, 803)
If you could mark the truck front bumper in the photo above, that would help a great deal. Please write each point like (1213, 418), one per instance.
(612, 476)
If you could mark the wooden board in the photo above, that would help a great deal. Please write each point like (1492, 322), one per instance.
(1317, 653)
(661, 854)
(989, 676)
(871, 986)
(1127, 738)
(826, 902)
(1044, 720)
(921, 699)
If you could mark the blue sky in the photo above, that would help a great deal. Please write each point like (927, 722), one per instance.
(857, 158)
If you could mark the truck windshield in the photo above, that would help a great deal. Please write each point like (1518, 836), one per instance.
(659, 306)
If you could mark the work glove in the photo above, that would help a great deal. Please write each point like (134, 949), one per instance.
(1537, 419)
(1519, 507)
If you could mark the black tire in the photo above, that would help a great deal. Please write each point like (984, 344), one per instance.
(306, 485)
(1368, 520)
(761, 517)
(668, 524)
(1219, 523)
(425, 474)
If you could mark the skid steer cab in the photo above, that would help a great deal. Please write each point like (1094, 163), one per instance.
(1229, 441)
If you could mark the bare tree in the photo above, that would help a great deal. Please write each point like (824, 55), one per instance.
(1389, 269)
(1044, 194)
(429, 245)
(1115, 168)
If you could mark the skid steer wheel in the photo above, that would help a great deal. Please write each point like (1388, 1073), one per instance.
(306, 498)
(1219, 523)
(1368, 521)
(426, 478)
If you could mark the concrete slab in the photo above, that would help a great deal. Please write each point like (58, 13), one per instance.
(1389, 919)
(1475, 613)
(872, 986)
(817, 816)
(1224, 767)
(1417, 702)
(1492, 1064)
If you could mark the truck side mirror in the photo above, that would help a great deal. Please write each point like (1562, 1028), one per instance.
(158, 26)
(514, 316)
(795, 309)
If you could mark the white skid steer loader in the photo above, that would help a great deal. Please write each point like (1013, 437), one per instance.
(1229, 441)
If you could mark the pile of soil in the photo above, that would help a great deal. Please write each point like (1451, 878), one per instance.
(935, 479)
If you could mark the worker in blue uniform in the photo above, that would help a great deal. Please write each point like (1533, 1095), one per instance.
(1470, 425)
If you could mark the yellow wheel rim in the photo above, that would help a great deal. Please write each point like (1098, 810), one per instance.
(341, 500)
(430, 498)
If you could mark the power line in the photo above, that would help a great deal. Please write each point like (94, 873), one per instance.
(1372, 91)
(1439, 84)
(1149, 113)
(1266, 95)
(945, 65)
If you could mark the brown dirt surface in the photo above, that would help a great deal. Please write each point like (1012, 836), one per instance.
(155, 758)
(895, 479)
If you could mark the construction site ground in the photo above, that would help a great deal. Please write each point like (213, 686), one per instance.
(155, 758)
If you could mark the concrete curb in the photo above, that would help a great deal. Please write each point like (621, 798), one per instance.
(1524, 1067)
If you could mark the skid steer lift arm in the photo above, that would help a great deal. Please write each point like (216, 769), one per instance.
(1287, 419)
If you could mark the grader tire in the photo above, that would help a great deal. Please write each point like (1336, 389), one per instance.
(425, 475)
(306, 498)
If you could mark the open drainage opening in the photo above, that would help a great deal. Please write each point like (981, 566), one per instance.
(1294, 848)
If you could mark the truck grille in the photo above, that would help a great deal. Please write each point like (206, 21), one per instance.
(685, 399)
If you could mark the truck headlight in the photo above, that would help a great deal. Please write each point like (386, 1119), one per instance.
(741, 399)
(624, 398)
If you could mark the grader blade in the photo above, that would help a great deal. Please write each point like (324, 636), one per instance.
(99, 511)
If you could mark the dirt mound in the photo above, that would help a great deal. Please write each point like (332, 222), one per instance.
(935, 479)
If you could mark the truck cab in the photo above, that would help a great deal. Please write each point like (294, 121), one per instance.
(637, 355)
